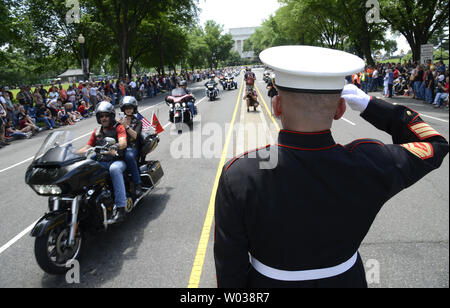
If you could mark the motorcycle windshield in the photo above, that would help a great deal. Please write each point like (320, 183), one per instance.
(178, 92)
(57, 150)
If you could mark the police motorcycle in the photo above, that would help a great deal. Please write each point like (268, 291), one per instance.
(230, 83)
(80, 195)
(179, 112)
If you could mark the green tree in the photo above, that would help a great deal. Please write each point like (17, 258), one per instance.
(219, 45)
(417, 20)
(124, 18)
(197, 50)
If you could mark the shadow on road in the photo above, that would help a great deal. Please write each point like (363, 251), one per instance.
(104, 254)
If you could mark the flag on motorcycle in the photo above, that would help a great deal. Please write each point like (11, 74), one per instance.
(146, 124)
(156, 125)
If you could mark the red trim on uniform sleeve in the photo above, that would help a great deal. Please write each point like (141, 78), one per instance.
(423, 130)
(423, 150)
(92, 141)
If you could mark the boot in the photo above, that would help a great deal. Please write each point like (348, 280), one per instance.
(120, 216)
(138, 190)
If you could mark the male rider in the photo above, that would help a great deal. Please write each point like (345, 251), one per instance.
(114, 159)
(191, 105)
(213, 82)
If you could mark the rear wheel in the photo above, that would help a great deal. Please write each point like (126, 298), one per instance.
(53, 252)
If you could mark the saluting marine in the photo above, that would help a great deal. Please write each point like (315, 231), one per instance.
(301, 223)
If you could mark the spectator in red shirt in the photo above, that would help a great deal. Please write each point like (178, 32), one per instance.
(82, 110)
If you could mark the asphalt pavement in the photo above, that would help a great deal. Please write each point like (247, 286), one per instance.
(168, 240)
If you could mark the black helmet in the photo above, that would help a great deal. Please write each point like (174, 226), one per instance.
(105, 107)
(128, 101)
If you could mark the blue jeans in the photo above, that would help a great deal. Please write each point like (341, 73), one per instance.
(440, 97)
(132, 167)
(50, 123)
(422, 90)
(116, 170)
(429, 95)
(416, 87)
(191, 107)
(364, 86)
(369, 84)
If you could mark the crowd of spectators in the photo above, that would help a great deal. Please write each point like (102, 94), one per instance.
(34, 110)
(428, 82)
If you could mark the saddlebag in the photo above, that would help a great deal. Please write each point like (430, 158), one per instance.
(151, 173)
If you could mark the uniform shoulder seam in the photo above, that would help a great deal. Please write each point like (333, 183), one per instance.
(242, 155)
(351, 146)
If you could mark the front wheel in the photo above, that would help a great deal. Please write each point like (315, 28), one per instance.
(52, 251)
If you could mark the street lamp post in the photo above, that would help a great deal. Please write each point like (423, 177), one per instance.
(81, 40)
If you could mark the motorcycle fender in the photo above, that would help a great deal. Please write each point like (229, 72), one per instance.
(48, 222)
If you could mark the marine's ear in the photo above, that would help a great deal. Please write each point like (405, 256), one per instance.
(340, 110)
(276, 103)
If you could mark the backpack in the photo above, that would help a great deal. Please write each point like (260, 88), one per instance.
(250, 79)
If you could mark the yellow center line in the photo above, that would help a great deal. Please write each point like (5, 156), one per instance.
(199, 260)
(267, 108)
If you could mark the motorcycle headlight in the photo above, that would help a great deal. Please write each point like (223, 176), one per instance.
(52, 190)
(184, 105)
(177, 105)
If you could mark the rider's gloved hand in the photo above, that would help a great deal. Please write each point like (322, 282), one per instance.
(355, 98)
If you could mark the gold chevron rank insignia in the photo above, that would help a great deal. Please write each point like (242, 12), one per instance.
(424, 131)
(420, 149)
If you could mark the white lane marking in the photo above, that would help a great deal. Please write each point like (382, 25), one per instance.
(78, 138)
(17, 237)
(348, 121)
(427, 116)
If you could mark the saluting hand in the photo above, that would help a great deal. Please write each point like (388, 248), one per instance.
(355, 98)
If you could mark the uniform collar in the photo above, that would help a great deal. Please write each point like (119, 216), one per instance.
(306, 141)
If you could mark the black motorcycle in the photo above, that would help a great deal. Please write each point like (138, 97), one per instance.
(211, 91)
(179, 112)
(80, 196)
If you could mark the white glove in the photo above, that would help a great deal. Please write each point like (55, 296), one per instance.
(355, 98)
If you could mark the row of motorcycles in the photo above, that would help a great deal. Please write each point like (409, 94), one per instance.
(80, 191)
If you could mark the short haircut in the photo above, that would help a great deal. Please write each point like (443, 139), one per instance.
(314, 106)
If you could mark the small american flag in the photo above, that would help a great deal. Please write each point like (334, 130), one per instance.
(145, 123)
(154, 124)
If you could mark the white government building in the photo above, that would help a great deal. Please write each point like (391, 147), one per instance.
(239, 36)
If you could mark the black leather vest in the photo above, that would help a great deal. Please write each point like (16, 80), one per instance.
(100, 136)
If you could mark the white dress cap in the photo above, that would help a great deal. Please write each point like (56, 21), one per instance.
(311, 69)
